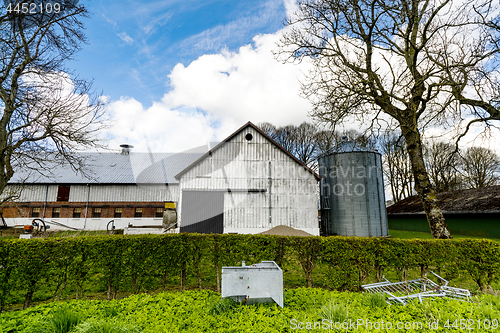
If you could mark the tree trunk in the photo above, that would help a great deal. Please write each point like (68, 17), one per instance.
(28, 298)
(198, 274)
(62, 289)
(404, 274)
(423, 186)
(423, 270)
(378, 272)
(308, 274)
(164, 280)
(218, 276)
(183, 279)
(135, 285)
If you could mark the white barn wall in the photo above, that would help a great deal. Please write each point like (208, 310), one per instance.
(103, 193)
(36, 193)
(241, 165)
(129, 193)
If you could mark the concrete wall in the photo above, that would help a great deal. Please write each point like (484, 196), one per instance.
(89, 223)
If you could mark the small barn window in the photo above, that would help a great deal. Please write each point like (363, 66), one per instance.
(77, 212)
(118, 212)
(249, 136)
(138, 212)
(56, 211)
(159, 212)
(97, 212)
(63, 193)
(35, 212)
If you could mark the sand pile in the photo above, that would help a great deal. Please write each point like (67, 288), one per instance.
(283, 230)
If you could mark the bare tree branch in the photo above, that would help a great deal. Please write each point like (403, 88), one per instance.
(45, 113)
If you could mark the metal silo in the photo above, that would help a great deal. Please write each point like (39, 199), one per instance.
(352, 193)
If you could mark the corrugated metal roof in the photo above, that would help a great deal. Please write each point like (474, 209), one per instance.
(114, 168)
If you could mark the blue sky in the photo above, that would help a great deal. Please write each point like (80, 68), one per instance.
(133, 46)
(183, 73)
(180, 74)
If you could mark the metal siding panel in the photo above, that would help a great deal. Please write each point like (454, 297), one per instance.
(36, 193)
(78, 193)
(132, 193)
(356, 214)
(246, 166)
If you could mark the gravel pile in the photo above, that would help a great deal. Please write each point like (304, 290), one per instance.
(283, 230)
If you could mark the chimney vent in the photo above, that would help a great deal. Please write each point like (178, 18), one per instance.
(126, 149)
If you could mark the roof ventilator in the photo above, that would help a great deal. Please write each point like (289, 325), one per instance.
(126, 149)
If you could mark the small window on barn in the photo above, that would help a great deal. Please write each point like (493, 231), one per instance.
(249, 136)
(138, 212)
(77, 213)
(63, 193)
(159, 212)
(118, 213)
(56, 211)
(97, 212)
(35, 212)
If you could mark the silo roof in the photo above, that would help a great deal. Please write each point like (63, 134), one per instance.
(349, 147)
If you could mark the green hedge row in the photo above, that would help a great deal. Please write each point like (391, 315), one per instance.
(128, 263)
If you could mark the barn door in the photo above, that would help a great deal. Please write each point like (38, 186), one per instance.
(202, 212)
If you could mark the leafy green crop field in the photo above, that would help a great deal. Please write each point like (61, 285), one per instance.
(306, 309)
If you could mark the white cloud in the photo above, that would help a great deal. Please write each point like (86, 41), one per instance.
(211, 98)
(217, 93)
(126, 38)
(161, 129)
(240, 28)
(245, 85)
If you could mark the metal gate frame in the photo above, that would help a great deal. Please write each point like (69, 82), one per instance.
(404, 291)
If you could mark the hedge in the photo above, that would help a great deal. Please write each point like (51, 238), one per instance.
(129, 263)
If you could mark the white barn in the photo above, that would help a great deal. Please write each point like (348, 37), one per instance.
(246, 184)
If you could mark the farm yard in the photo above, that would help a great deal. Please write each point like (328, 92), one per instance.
(169, 283)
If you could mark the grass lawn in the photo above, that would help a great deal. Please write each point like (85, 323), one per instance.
(425, 235)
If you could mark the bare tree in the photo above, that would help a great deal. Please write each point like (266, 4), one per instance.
(300, 140)
(284, 136)
(443, 164)
(45, 113)
(416, 64)
(397, 167)
(481, 167)
(307, 142)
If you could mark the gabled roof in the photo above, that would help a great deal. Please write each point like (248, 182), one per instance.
(248, 124)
